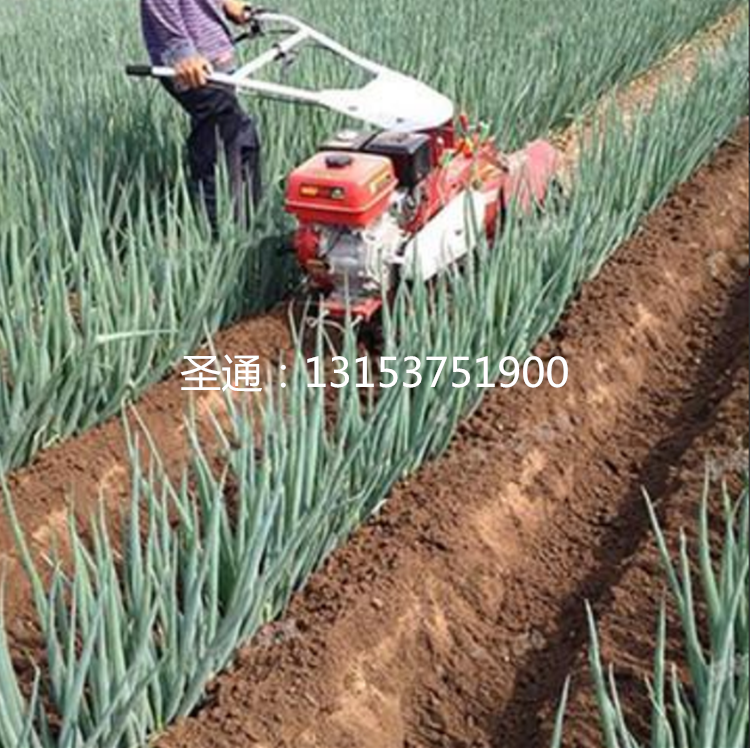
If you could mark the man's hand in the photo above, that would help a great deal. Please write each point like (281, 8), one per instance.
(193, 72)
(237, 12)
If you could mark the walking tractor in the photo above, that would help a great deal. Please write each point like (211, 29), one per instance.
(395, 202)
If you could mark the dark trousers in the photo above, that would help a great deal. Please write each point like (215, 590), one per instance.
(218, 122)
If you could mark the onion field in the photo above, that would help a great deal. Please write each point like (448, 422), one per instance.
(109, 277)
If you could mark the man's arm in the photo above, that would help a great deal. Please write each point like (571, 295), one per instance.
(179, 50)
(168, 26)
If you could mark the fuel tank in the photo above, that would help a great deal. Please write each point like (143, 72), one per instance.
(351, 190)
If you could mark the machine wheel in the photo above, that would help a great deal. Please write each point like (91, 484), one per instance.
(497, 230)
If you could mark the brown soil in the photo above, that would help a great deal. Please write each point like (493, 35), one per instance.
(453, 619)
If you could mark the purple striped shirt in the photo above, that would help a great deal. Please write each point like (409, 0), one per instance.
(177, 29)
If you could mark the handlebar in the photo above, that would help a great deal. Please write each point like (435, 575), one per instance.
(253, 23)
(389, 100)
(139, 71)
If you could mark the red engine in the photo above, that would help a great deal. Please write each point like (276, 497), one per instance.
(376, 208)
(343, 189)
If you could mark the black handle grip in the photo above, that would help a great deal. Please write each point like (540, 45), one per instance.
(139, 71)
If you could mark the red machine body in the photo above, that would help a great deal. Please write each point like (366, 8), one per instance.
(374, 208)
(344, 189)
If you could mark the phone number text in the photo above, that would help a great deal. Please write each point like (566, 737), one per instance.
(385, 373)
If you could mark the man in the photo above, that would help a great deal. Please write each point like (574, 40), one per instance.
(194, 38)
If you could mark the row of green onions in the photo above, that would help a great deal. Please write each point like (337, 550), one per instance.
(710, 708)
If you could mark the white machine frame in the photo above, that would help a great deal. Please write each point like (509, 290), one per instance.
(390, 101)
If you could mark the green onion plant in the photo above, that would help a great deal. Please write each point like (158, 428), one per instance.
(710, 708)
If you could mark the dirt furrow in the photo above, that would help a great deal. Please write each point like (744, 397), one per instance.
(454, 618)
(628, 622)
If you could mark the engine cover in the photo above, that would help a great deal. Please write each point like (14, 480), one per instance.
(352, 190)
(360, 262)
(411, 154)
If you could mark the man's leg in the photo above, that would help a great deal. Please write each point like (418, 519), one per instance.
(245, 166)
(219, 120)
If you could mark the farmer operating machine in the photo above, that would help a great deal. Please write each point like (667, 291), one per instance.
(404, 200)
